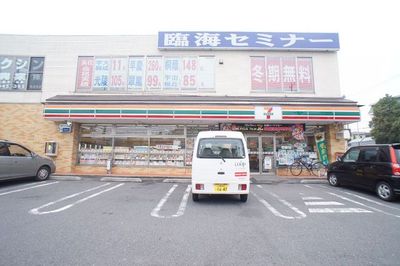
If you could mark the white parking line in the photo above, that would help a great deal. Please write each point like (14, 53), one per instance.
(312, 198)
(37, 212)
(372, 201)
(301, 214)
(338, 210)
(269, 207)
(23, 189)
(322, 203)
(362, 198)
(182, 206)
(364, 205)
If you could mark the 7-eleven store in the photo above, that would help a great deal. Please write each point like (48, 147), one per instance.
(150, 136)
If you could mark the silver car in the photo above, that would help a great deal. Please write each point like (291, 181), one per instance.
(17, 161)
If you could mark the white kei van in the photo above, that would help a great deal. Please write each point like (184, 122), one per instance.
(220, 164)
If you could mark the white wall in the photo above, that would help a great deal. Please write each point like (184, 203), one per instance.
(231, 78)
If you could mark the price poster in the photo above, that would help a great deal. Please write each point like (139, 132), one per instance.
(189, 73)
(154, 72)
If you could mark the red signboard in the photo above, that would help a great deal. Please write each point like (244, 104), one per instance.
(85, 73)
(289, 76)
(305, 74)
(258, 81)
(274, 79)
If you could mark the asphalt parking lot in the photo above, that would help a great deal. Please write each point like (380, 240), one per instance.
(155, 223)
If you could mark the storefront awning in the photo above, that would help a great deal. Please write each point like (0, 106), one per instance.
(123, 108)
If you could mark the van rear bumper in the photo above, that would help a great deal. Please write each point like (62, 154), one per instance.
(209, 187)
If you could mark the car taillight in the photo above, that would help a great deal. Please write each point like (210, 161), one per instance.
(395, 165)
(199, 186)
(396, 169)
(242, 186)
(240, 173)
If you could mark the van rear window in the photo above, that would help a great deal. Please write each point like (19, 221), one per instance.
(220, 148)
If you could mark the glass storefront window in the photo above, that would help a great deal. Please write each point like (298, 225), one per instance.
(164, 130)
(95, 129)
(131, 130)
(138, 145)
(287, 149)
(189, 151)
(167, 152)
(192, 131)
(94, 151)
(131, 151)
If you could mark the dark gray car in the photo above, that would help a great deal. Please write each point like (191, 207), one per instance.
(17, 161)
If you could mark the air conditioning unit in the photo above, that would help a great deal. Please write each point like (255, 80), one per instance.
(343, 134)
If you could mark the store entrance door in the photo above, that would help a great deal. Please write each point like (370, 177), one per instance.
(261, 154)
(253, 145)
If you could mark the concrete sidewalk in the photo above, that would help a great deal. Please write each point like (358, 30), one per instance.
(255, 179)
(273, 179)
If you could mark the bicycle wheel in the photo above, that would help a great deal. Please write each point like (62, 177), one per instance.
(296, 168)
(318, 169)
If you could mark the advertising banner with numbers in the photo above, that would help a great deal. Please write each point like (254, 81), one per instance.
(154, 72)
(206, 73)
(289, 75)
(118, 73)
(101, 74)
(189, 73)
(171, 73)
(21, 73)
(6, 68)
(258, 81)
(85, 73)
(138, 73)
(135, 73)
(305, 74)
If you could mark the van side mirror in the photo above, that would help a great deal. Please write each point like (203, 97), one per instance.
(339, 158)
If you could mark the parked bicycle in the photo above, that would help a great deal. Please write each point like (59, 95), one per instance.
(314, 167)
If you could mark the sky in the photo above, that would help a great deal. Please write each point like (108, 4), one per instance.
(369, 32)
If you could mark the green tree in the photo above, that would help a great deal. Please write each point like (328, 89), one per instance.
(385, 122)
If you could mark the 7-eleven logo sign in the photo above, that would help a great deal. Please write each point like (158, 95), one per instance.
(268, 113)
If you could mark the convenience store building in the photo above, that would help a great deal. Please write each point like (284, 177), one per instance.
(132, 105)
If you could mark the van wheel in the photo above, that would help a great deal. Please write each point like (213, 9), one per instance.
(384, 191)
(243, 197)
(43, 173)
(195, 197)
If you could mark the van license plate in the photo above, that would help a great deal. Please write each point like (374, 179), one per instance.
(220, 187)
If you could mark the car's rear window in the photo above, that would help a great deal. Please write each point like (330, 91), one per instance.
(220, 148)
(397, 152)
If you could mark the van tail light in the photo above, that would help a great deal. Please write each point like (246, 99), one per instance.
(199, 186)
(242, 186)
(240, 173)
(395, 165)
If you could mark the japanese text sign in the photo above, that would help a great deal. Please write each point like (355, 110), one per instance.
(249, 40)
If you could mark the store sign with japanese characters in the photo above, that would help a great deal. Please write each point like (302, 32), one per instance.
(282, 74)
(249, 40)
(21, 73)
(138, 73)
